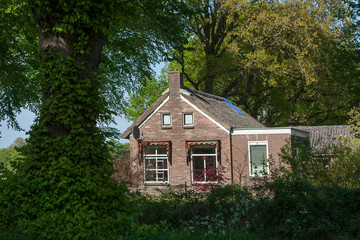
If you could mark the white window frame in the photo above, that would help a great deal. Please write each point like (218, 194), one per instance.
(156, 156)
(258, 143)
(162, 120)
(188, 125)
(203, 155)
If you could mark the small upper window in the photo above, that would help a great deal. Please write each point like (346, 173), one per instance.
(188, 119)
(166, 120)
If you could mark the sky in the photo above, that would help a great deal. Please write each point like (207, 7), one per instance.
(26, 119)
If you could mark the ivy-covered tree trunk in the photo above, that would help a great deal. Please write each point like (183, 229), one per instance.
(63, 188)
(71, 97)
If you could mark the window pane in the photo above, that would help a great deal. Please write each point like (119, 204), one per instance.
(162, 163)
(210, 161)
(166, 119)
(150, 175)
(149, 150)
(203, 149)
(188, 119)
(166, 176)
(211, 174)
(150, 163)
(198, 169)
(258, 157)
(161, 149)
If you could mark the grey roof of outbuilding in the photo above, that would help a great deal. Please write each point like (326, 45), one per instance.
(323, 138)
(214, 106)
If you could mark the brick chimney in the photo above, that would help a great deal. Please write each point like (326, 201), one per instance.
(175, 83)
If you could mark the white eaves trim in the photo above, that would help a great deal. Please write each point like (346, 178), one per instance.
(211, 119)
(259, 131)
(157, 109)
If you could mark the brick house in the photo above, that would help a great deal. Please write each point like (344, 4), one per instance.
(185, 131)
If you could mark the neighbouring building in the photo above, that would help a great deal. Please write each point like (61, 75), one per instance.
(187, 131)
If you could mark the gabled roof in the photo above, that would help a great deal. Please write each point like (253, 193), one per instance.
(323, 138)
(219, 109)
(145, 114)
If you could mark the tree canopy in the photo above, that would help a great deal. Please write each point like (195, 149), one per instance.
(285, 63)
(18, 61)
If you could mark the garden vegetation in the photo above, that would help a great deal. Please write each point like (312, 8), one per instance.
(72, 61)
(295, 203)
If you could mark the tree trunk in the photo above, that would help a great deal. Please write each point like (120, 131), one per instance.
(58, 47)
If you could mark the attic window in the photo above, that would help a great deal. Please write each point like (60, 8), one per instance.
(188, 120)
(166, 120)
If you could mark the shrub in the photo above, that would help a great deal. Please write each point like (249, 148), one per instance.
(64, 201)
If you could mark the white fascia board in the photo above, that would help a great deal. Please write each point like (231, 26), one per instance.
(197, 109)
(155, 111)
(260, 131)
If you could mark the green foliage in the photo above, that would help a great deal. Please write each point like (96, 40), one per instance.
(338, 166)
(118, 149)
(142, 38)
(11, 154)
(224, 207)
(151, 90)
(284, 62)
(299, 162)
(18, 64)
(65, 201)
(302, 200)
(7, 236)
(345, 163)
(299, 210)
(183, 234)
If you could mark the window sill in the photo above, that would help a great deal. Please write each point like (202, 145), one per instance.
(166, 127)
(209, 182)
(156, 183)
(259, 176)
(188, 127)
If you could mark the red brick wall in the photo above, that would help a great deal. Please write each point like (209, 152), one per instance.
(241, 155)
(204, 129)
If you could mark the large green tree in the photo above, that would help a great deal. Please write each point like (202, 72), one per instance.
(63, 187)
(286, 63)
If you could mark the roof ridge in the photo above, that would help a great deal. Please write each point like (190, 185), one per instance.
(203, 93)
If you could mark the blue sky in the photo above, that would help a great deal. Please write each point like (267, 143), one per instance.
(26, 119)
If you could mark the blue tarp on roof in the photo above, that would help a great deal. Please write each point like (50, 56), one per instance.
(233, 106)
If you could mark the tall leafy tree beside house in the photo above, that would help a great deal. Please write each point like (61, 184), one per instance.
(63, 187)
(285, 63)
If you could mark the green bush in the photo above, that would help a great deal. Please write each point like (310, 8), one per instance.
(184, 234)
(65, 201)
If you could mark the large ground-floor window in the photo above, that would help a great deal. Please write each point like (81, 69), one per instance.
(203, 163)
(258, 154)
(156, 163)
